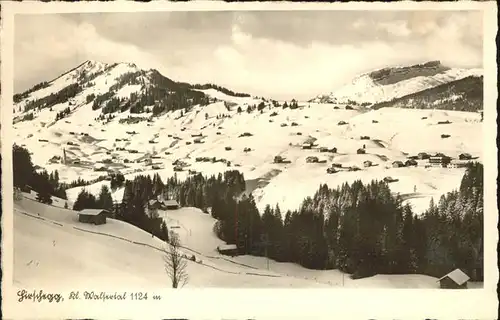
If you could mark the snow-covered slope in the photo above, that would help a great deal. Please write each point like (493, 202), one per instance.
(217, 129)
(119, 255)
(371, 88)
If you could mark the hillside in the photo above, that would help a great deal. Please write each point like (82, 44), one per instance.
(46, 236)
(231, 132)
(461, 95)
(396, 82)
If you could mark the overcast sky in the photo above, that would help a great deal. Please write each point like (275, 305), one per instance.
(280, 54)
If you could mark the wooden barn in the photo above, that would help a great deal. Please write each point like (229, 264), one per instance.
(93, 216)
(228, 249)
(456, 279)
(171, 204)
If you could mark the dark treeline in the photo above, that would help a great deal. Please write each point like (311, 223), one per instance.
(219, 88)
(163, 94)
(360, 228)
(54, 98)
(20, 96)
(25, 175)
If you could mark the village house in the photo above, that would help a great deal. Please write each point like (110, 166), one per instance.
(93, 216)
(455, 163)
(423, 156)
(456, 279)
(312, 159)
(439, 160)
(411, 162)
(398, 164)
(464, 156)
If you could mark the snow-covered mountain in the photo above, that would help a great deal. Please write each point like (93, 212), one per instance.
(395, 82)
(118, 117)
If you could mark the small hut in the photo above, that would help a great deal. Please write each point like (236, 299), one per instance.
(456, 279)
(171, 205)
(228, 249)
(93, 216)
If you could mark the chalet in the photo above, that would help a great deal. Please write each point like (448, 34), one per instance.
(464, 156)
(349, 108)
(228, 148)
(333, 150)
(444, 136)
(312, 159)
(156, 167)
(188, 142)
(354, 168)
(196, 135)
(398, 164)
(367, 163)
(307, 146)
(323, 149)
(294, 124)
(278, 159)
(361, 151)
(336, 108)
(331, 170)
(390, 179)
(365, 138)
(171, 205)
(456, 279)
(299, 133)
(228, 249)
(374, 121)
(336, 165)
(411, 162)
(284, 125)
(93, 216)
(439, 160)
(458, 163)
(423, 118)
(341, 123)
(247, 149)
(423, 156)
(178, 168)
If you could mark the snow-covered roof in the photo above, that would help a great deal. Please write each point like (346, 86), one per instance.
(91, 212)
(171, 203)
(227, 247)
(458, 276)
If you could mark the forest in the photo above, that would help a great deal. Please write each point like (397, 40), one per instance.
(25, 176)
(361, 229)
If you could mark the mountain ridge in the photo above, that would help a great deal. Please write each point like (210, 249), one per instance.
(389, 83)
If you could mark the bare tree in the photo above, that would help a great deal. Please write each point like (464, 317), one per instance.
(175, 262)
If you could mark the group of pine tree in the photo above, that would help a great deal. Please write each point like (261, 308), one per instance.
(361, 229)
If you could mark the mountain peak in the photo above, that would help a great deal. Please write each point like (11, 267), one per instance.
(393, 82)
